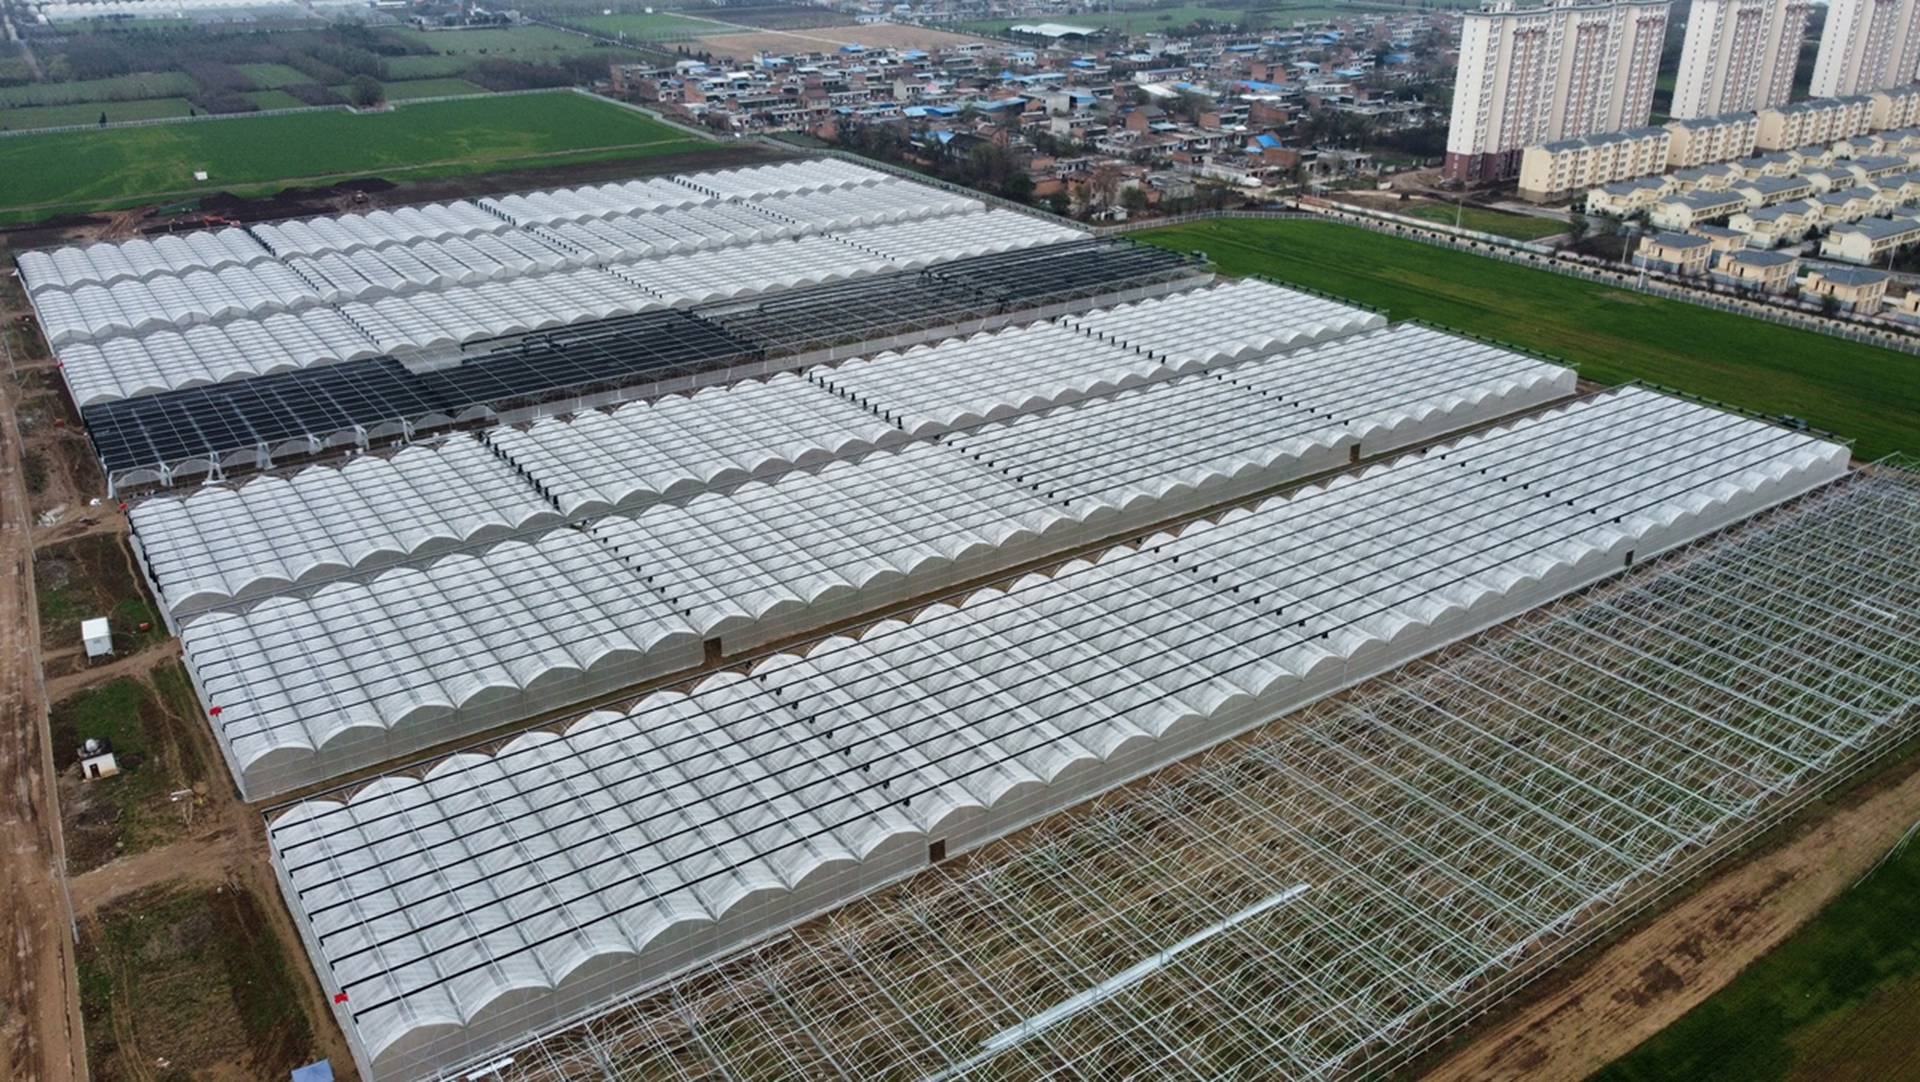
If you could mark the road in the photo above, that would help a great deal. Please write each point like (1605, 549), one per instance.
(40, 1028)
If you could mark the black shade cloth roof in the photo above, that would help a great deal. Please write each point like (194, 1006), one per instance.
(202, 424)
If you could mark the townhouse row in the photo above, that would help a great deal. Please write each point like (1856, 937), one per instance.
(1556, 170)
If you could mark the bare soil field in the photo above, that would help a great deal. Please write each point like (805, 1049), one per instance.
(88, 576)
(216, 985)
(40, 1027)
(161, 792)
(826, 38)
(1601, 1007)
(185, 981)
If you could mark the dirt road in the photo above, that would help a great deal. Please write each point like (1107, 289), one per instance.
(1641, 984)
(40, 1023)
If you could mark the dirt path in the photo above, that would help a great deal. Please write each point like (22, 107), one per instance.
(40, 1025)
(1639, 985)
(136, 665)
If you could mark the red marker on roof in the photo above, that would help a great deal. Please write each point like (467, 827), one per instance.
(339, 997)
(213, 712)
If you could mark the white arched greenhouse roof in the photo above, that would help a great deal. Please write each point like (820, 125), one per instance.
(770, 560)
(140, 259)
(458, 910)
(683, 444)
(361, 671)
(220, 544)
(126, 366)
(1229, 322)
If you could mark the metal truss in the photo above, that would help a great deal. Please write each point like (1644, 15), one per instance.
(1336, 892)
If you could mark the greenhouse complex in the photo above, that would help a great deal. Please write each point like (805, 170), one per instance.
(802, 622)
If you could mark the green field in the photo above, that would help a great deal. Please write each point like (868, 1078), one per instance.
(1614, 335)
(274, 99)
(426, 88)
(427, 67)
(642, 27)
(1836, 1000)
(518, 43)
(73, 171)
(1499, 223)
(121, 88)
(274, 76)
(59, 116)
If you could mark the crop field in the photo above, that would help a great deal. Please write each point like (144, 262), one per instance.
(427, 67)
(274, 99)
(427, 88)
(1854, 390)
(643, 27)
(273, 76)
(120, 88)
(26, 118)
(76, 171)
(520, 43)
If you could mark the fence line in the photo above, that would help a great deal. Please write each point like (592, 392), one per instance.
(1521, 254)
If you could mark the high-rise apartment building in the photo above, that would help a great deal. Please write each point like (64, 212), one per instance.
(1867, 45)
(1739, 56)
(1537, 74)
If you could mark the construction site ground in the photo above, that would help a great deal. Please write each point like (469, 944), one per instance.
(187, 964)
(1605, 1002)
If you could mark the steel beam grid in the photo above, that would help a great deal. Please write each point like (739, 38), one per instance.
(1447, 834)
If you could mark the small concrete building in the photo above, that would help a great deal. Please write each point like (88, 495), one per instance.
(1857, 289)
(1766, 191)
(1762, 271)
(1897, 190)
(1874, 167)
(1848, 205)
(1770, 227)
(1870, 240)
(97, 761)
(1721, 238)
(1777, 163)
(1706, 178)
(97, 634)
(1674, 253)
(1680, 213)
(1827, 180)
(1905, 307)
(1625, 198)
